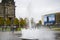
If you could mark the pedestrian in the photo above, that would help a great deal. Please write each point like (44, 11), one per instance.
(12, 29)
(15, 28)
(2, 28)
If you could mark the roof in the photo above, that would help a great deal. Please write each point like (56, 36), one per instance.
(52, 14)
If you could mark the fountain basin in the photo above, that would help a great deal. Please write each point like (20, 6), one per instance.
(30, 34)
(37, 34)
(27, 39)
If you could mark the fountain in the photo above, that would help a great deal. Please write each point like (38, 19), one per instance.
(43, 33)
(37, 34)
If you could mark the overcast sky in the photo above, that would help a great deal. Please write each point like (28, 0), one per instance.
(36, 8)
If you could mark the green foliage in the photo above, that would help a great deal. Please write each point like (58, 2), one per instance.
(32, 20)
(18, 29)
(1, 21)
(16, 21)
(8, 21)
(22, 22)
(40, 22)
(56, 29)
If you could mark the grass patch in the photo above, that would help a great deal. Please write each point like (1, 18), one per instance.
(56, 29)
(18, 29)
(8, 29)
(0, 28)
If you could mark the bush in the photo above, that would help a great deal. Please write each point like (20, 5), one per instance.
(18, 29)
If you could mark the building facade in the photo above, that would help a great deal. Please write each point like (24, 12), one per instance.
(7, 9)
(52, 19)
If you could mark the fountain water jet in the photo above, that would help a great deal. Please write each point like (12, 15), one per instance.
(43, 33)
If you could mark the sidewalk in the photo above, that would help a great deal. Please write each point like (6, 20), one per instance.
(17, 32)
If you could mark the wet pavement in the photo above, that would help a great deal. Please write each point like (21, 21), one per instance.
(8, 36)
(57, 35)
(12, 36)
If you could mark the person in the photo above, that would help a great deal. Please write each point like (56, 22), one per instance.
(17, 28)
(2, 28)
(5, 28)
(12, 29)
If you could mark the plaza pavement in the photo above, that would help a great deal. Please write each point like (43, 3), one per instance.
(8, 36)
(15, 36)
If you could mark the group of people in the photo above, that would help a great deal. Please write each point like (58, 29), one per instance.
(13, 28)
(4, 28)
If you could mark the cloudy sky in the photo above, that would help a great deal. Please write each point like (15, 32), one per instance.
(36, 8)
